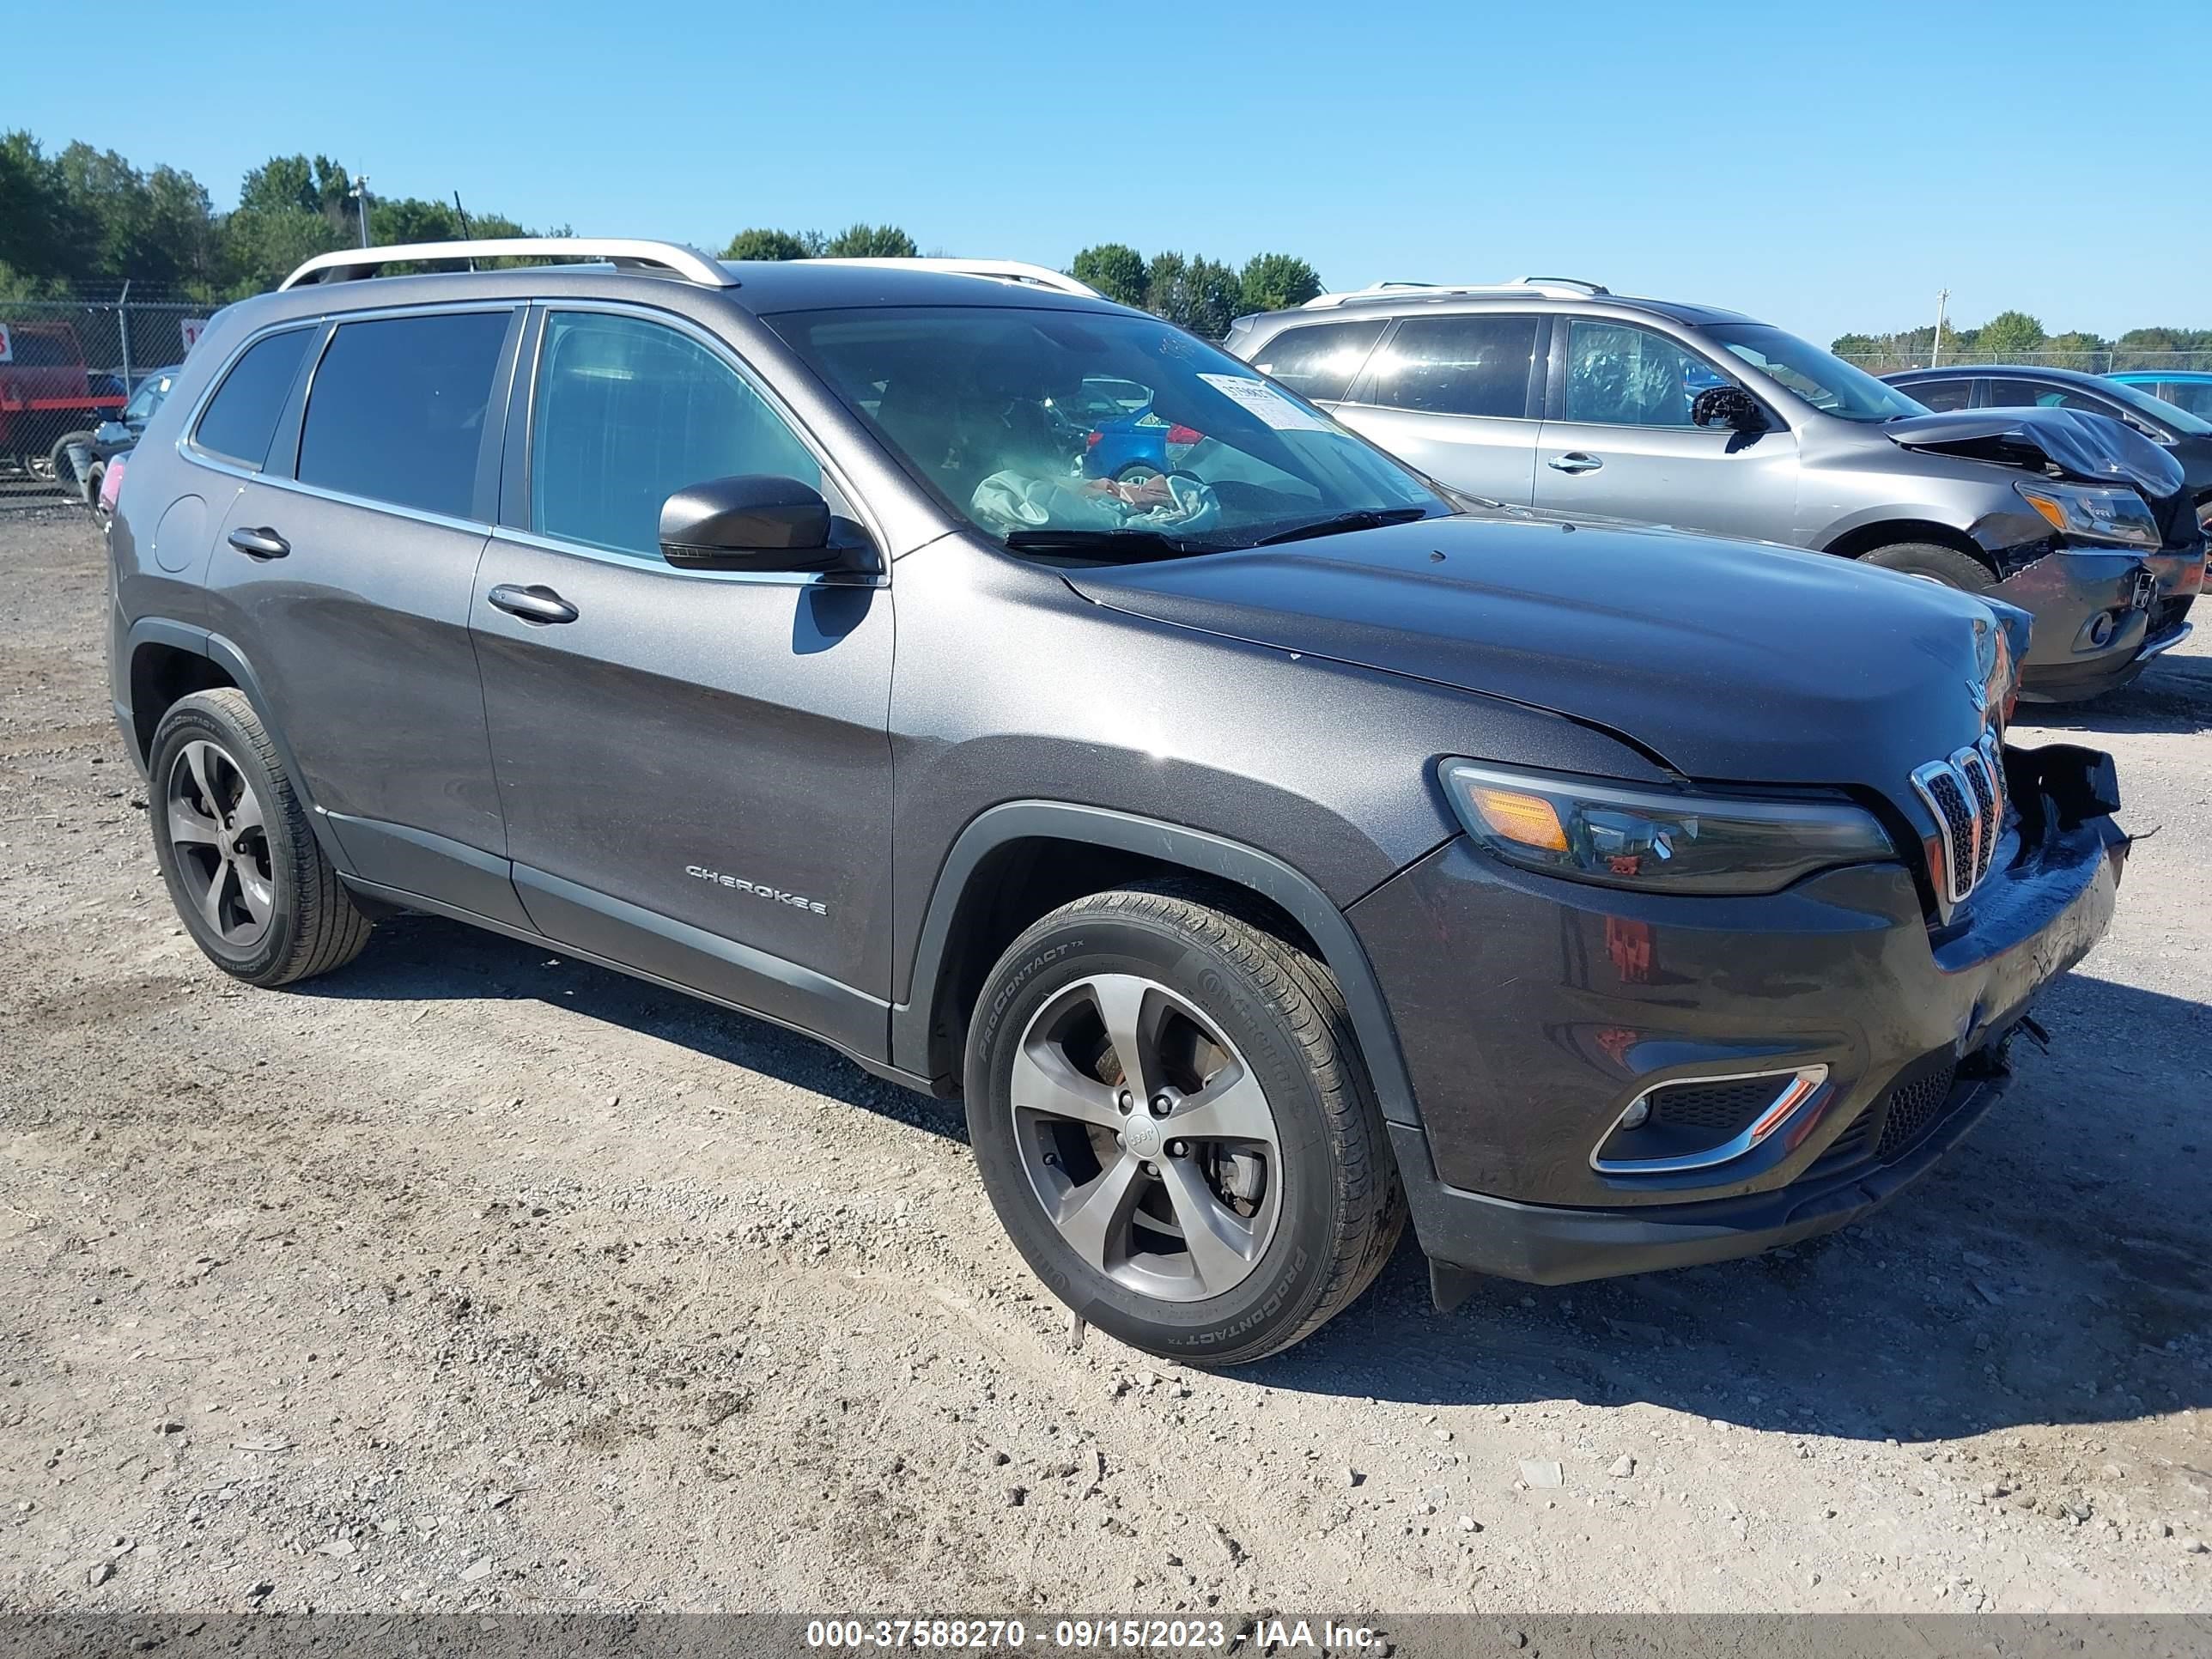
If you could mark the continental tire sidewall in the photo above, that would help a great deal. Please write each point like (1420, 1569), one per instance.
(198, 719)
(1292, 1273)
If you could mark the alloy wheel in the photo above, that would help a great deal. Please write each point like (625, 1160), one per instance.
(1146, 1138)
(216, 830)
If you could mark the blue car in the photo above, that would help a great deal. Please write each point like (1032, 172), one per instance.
(2189, 389)
(1120, 435)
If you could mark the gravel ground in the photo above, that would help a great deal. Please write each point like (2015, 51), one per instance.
(471, 1278)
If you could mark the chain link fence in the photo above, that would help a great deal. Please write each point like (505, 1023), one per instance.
(67, 365)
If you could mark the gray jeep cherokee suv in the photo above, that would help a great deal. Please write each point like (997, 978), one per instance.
(1555, 394)
(1261, 847)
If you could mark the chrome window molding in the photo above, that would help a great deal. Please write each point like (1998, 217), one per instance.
(1799, 1083)
(660, 566)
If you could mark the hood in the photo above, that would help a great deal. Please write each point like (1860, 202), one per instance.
(2087, 448)
(1728, 660)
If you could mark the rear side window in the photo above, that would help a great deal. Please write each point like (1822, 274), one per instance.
(397, 409)
(628, 413)
(242, 419)
(1940, 394)
(1458, 366)
(1320, 361)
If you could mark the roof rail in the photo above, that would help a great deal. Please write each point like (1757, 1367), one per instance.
(624, 252)
(1000, 270)
(1551, 287)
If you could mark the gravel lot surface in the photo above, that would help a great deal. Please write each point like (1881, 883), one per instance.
(472, 1278)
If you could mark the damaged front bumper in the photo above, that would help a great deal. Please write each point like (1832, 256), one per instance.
(1593, 997)
(2099, 613)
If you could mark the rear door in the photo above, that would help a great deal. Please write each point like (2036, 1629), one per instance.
(342, 574)
(696, 765)
(1454, 396)
(1617, 440)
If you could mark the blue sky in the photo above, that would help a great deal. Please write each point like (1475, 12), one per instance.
(1823, 165)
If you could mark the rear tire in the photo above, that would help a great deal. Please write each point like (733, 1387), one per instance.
(1933, 561)
(243, 868)
(1250, 1117)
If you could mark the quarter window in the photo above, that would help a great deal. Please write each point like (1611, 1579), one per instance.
(628, 413)
(397, 409)
(1458, 366)
(1320, 361)
(242, 418)
(1621, 375)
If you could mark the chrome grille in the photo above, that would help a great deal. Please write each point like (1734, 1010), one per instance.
(1966, 794)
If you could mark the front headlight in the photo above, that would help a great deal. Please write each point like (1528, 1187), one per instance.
(1653, 840)
(2093, 513)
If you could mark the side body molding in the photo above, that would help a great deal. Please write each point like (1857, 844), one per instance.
(1196, 849)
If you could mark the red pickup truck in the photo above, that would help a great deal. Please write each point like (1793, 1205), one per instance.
(45, 392)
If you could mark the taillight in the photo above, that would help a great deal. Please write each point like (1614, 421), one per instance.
(110, 483)
(1092, 441)
(1185, 434)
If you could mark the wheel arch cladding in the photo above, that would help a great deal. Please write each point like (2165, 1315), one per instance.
(1862, 539)
(1049, 852)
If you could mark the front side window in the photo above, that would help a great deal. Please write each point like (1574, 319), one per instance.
(1321, 361)
(1819, 378)
(1618, 375)
(397, 409)
(994, 410)
(2195, 397)
(242, 417)
(1458, 366)
(628, 412)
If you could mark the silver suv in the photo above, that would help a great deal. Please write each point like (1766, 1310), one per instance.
(1558, 395)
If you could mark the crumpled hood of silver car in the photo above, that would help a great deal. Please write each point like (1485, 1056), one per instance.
(1730, 660)
(2087, 447)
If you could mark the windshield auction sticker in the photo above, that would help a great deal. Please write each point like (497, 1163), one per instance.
(1264, 401)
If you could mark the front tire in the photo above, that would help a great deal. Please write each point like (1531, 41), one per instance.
(1933, 561)
(1227, 1194)
(242, 867)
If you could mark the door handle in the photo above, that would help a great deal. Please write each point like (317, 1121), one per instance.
(532, 604)
(1574, 461)
(262, 544)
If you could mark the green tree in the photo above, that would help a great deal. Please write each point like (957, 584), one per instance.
(1277, 281)
(759, 244)
(1198, 294)
(1115, 269)
(871, 242)
(2008, 335)
(36, 244)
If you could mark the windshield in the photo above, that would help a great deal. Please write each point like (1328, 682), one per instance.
(1064, 430)
(2172, 415)
(1820, 378)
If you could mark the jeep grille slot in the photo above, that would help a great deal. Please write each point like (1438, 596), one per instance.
(1966, 794)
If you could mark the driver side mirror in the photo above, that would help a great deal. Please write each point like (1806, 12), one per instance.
(1730, 406)
(757, 522)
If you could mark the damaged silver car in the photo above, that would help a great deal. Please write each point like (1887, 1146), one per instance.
(1555, 394)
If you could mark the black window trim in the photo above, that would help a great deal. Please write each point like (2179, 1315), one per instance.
(512, 523)
(1532, 396)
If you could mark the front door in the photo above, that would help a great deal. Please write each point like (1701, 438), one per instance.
(696, 766)
(1621, 444)
(342, 574)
